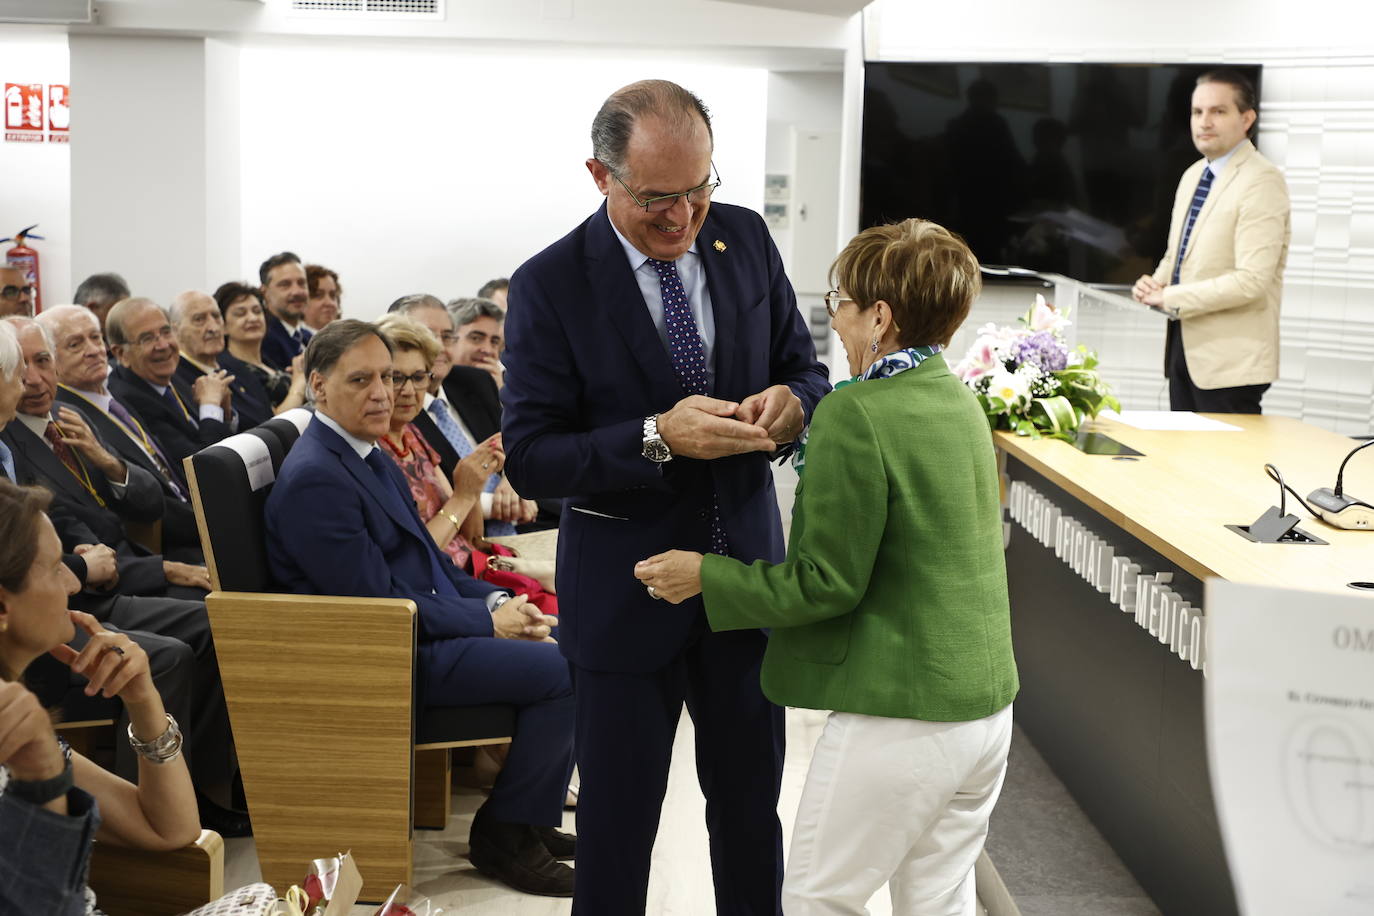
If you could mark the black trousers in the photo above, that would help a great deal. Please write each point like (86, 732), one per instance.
(181, 656)
(625, 729)
(1184, 394)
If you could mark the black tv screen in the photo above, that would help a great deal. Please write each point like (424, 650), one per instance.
(1065, 168)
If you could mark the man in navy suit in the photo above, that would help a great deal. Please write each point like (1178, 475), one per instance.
(285, 293)
(340, 520)
(182, 417)
(655, 359)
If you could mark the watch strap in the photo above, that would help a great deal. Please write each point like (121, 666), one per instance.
(42, 791)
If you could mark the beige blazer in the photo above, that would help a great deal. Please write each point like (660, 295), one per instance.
(1231, 279)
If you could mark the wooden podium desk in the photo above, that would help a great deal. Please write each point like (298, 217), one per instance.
(1105, 695)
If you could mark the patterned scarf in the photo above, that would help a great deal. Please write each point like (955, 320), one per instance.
(886, 367)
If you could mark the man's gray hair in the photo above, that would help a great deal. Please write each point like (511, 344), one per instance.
(100, 289)
(54, 317)
(335, 339)
(414, 302)
(18, 323)
(114, 322)
(493, 286)
(11, 354)
(466, 311)
(179, 303)
(615, 122)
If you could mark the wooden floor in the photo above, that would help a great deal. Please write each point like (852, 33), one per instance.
(679, 884)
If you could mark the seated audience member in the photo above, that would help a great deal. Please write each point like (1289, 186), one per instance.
(245, 326)
(284, 294)
(16, 295)
(99, 293)
(199, 327)
(495, 290)
(121, 588)
(452, 511)
(184, 418)
(54, 803)
(324, 303)
(449, 424)
(481, 328)
(82, 372)
(340, 521)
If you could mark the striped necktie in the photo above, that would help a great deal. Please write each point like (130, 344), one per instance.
(438, 410)
(62, 450)
(7, 461)
(1199, 198)
(149, 445)
(689, 362)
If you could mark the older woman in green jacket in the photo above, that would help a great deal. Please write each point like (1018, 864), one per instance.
(891, 607)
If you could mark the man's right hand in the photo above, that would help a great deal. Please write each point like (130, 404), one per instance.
(213, 389)
(518, 619)
(1147, 291)
(102, 570)
(702, 427)
(187, 575)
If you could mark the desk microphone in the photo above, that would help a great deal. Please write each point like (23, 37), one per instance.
(1338, 510)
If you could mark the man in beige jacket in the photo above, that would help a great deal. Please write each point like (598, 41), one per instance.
(1222, 275)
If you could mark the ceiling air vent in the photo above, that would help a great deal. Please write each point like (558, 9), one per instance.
(370, 9)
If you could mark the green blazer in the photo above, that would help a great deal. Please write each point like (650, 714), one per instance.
(893, 598)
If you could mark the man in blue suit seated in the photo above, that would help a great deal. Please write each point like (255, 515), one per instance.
(340, 521)
(655, 360)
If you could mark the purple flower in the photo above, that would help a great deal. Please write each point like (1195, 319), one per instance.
(1041, 349)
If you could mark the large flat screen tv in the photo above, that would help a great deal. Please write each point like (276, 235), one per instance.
(1065, 168)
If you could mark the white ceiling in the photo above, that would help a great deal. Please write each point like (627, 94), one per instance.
(845, 8)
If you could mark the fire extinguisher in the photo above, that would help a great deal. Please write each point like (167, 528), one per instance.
(26, 259)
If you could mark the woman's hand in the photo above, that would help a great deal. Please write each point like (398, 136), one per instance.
(27, 744)
(471, 474)
(674, 576)
(113, 664)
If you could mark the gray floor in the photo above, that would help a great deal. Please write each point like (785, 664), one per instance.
(1050, 856)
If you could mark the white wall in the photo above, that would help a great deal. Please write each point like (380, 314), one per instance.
(434, 169)
(1316, 123)
(35, 187)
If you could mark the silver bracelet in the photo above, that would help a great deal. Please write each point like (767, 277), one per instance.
(165, 748)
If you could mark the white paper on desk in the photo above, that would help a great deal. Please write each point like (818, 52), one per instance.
(1181, 420)
(1290, 738)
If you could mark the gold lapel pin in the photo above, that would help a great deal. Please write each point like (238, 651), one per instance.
(719, 245)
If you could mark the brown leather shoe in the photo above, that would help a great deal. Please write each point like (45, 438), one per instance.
(559, 844)
(514, 855)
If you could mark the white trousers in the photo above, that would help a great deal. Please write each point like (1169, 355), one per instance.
(897, 801)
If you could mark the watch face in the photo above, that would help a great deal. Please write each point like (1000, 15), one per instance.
(657, 450)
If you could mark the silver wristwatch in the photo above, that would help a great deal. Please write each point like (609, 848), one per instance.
(655, 449)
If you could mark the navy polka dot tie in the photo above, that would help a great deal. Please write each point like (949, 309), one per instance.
(689, 360)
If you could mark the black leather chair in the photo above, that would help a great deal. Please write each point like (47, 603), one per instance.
(333, 751)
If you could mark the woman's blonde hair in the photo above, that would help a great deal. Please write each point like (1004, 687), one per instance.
(409, 334)
(924, 272)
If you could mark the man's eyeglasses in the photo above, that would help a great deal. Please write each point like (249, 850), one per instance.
(14, 292)
(418, 379)
(833, 300)
(700, 194)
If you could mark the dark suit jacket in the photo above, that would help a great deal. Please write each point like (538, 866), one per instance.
(178, 518)
(260, 399)
(473, 393)
(278, 346)
(430, 431)
(79, 519)
(585, 366)
(250, 402)
(331, 532)
(177, 435)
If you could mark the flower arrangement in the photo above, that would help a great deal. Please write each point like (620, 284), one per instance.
(1029, 381)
